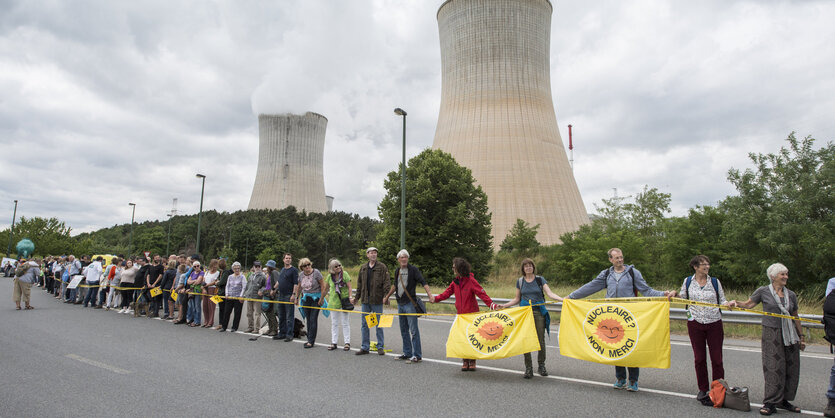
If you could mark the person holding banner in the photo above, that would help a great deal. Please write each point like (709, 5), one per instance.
(620, 281)
(704, 324)
(465, 288)
(782, 340)
(530, 291)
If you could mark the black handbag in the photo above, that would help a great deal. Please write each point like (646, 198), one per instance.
(736, 397)
(346, 302)
(420, 307)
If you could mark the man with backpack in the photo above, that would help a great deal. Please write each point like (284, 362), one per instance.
(829, 329)
(620, 281)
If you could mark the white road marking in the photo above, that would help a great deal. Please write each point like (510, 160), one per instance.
(108, 367)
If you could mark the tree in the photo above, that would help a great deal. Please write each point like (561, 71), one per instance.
(521, 239)
(446, 217)
(783, 213)
(50, 236)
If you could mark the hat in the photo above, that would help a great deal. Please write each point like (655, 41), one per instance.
(256, 263)
(370, 249)
(271, 263)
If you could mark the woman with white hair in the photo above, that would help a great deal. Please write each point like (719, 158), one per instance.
(235, 286)
(782, 340)
(338, 288)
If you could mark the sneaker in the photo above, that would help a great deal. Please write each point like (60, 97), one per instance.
(402, 357)
(620, 384)
(633, 387)
(829, 411)
(413, 360)
(362, 352)
(381, 352)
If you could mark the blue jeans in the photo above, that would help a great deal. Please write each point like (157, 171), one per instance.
(366, 338)
(286, 316)
(311, 316)
(194, 309)
(73, 295)
(409, 325)
(831, 392)
(620, 373)
(92, 293)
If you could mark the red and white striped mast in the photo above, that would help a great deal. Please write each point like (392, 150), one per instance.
(570, 148)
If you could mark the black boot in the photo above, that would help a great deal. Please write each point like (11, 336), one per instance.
(829, 411)
(528, 372)
(542, 371)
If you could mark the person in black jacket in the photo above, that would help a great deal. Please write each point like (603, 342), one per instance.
(406, 278)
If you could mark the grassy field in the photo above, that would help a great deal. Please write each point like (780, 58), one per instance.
(502, 284)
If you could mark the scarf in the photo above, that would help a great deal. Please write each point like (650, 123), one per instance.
(789, 331)
(338, 283)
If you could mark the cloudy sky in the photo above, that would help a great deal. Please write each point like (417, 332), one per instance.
(108, 102)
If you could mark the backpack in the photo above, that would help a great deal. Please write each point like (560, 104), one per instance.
(539, 282)
(828, 319)
(631, 275)
(689, 280)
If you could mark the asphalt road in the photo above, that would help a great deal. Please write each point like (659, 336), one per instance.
(64, 360)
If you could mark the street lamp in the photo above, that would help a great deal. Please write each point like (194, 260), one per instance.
(133, 212)
(400, 112)
(200, 214)
(168, 243)
(11, 231)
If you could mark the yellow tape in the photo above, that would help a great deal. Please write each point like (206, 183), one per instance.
(713, 305)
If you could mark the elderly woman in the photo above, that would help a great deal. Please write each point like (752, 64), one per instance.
(782, 340)
(311, 284)
(704, 324)
(531, 290)
(338, 287)
(234, 288)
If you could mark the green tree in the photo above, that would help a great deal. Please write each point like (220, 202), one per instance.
(521, 239)
(446, 217)
(783, 213)
(50, 235)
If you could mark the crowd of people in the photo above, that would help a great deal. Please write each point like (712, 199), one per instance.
(186, 288)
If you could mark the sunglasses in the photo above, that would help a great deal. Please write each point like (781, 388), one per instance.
(306, 265)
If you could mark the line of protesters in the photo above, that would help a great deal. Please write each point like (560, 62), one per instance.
(187, 288)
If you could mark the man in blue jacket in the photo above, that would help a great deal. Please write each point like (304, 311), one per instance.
(620, 281)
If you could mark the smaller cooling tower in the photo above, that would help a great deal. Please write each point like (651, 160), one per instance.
(290, 163)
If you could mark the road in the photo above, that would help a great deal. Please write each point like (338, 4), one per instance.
(64, 360)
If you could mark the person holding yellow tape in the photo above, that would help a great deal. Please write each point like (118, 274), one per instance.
(620, 281)
(310, 286)
(704, 324)
(782, 340)
(373, 281)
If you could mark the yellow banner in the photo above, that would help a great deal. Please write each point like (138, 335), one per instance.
(631, 334)
(155, 291)
(492, 335)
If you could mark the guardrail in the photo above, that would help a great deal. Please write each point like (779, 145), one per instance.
(677, 314)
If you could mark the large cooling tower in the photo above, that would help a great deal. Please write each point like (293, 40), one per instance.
(497, 116)
(290, 169)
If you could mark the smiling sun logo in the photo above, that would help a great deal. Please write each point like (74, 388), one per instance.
(611, 331)
(490, 332)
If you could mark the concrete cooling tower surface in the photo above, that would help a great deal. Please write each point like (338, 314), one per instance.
(290, 163)
(497, 115)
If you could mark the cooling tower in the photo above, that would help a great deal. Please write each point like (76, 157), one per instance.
(497, 116)
(290, 169)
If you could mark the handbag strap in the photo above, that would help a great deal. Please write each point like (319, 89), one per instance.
(406, 291)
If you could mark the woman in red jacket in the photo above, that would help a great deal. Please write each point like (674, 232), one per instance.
(465, 288)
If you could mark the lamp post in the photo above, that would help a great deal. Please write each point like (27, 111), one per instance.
(168, 242)
(11, 231)
(400, 112)
(133, 212)
(200, 214)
